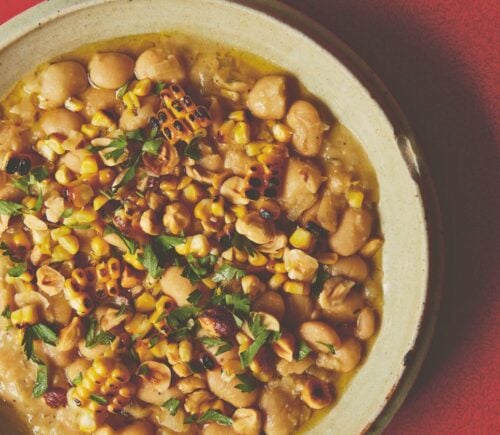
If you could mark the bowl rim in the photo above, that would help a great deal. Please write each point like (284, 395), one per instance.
(29, 20)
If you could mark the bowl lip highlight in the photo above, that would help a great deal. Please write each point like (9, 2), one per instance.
(30, 20)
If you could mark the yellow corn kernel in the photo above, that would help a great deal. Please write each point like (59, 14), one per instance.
(302, 239)
(138, 326)
(238, 115)
(21, 240)
(172, 353)
(55, 144)
(145, 303)
(169, 183)
(355, 198)
(46, 151)
(83, 216)
(371, 247)
(142, 87)
(201, 210)
(239, 210)
(106, 176)
(182, 370)
(185, 351)
(296, 288)
(27, 315)
(99, 246)
(193, 193)
(60, 254)
(159, 350)
(89, 166)
(133, 260)
(114, 268)
(217, 207)
(70, 243)
(242, 338)
(282, 132)
(120, 373)
(257, 259)
(279, 268)
(199, 246)
(241, 133)
(254, 148)
(228, 254)
(183, 248)
(328, 258)
(73, 104)
(100, 119)
(229, 217)
(63, 175)
(89, 131)
(29, 202)
(99, 202)
(240, 256)
(102, 272)
(112, 288)
(131, 100)
(209, 283)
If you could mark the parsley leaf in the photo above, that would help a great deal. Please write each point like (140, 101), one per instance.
(261, 335)
(118, 148)
(330, 347)
(121, 91)
(44, 333)
(228, 272)
(24, 183)
(249, 383)
(198, 268)
(93, 338)
(172, 405)
(158, 87)
(215, 416)
(195, 297)
(169, 242)
(131, 165)
(10, 208)
(42, 380)
(17, 271)
(244, 244)
(178, 317)
(143, 370)
(39, 202)
(129, 243)
(78, 380)
(150, 262)
(152, 146)
(192, 149)
(67, 213)
(303, 351)
(222, 345)
(98, 399)
(322, 275)
(153, 341)
(6, 312)
(8, 253)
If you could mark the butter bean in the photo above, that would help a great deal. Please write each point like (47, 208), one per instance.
(353, 232)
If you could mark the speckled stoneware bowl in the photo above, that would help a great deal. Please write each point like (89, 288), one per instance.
(409, 219)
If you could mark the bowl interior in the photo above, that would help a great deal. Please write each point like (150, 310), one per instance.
(70, 24)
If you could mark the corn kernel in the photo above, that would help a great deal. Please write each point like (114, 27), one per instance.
(106, 176)
(90, 131)
(84, 216)
(142, 87)
(327, 258)
(240, 256)
(184, 182)
(301, 239)
(254, 148)
(172, 353)
(169, 183)
(73, 104)
(209, 283)
(55, 144)
(282, 132)
(99, 202)
(217, 207)
(63, 175)
(296, 288)
(21, 240)
(371, 247)
(114, 268)
(100, 119)
(238, 115)
(185, 351)
(182, 370)
(182, 249)
(89, 166)
(26, 277)
(239, 210)
(145, 303)
(46, 151)
(241, 133)
(131, 100)
(99, 246)
(159, 350)
(355, 198)
(60, 254)
(257, 259)
(138, 326)
(29, 202)
(199, 246)
(279, 268)
(70, 243)
(133, 260)
(27, 315)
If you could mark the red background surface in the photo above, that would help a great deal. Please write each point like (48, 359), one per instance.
(441, 60)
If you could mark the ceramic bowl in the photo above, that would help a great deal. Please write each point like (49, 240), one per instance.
(411, 254)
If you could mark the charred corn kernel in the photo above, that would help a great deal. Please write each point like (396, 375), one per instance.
(142, 87)
(138, 326)
(63, 175)
(99, 246)
(89, 166)
(133, 260)
(57, 233)
(80, 277)
(46, 151)
(301, 239)
(112, 287)
(89, 131)
(239, 210)
(355, 198)
(84, 216)
(199, 246)
(184, 182)
(131, 100)
(60, 254)
(182, 370)
(185, 351)
(70, 243)
(241, 133)
(145, 303)
(73, 104)
(282, 132)
(296, 287)
(102, 272)
(172, 353)
(277, 280)
(120, 373)
(114, 268)
(106, 176)
(27, 315)
(100, 119)
(29, 202)
(371, 247)
(328, 258)
(257, 259)
(253, 149)
(21, 240)
(193, 193)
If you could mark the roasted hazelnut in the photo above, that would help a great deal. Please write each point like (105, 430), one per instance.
(218, 322)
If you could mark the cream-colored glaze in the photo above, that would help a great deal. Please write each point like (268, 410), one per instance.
(49, 30)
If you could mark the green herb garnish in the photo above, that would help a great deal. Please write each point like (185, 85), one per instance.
(303, 351)
(222, 345)
(228, 272)
(248, 383)
(129, 243)
(10, 208)
(172, 405)
(16, 271)
(98, 399)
